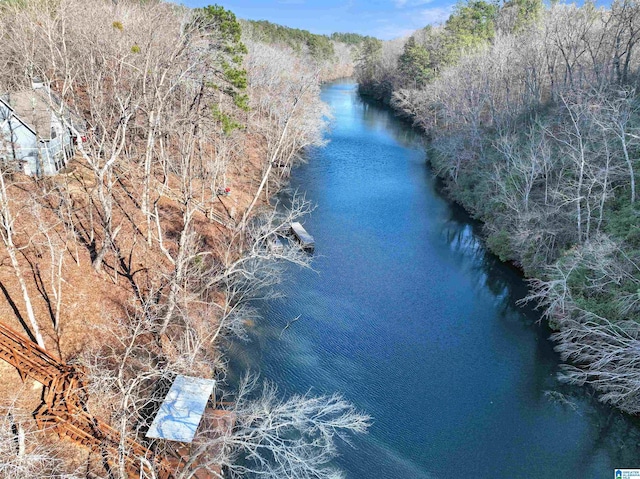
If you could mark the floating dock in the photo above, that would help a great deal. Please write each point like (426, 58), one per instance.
(305, 239)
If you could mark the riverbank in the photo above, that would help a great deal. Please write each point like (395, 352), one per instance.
(545, 161)
(567, 302)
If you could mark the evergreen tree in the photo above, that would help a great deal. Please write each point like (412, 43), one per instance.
(348, 38)
(415, 64)
(319, 46)
(471, 25)
(527, 12)
(368, 57)
(226, 56)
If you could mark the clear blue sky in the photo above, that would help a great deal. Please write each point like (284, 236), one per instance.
(384, 19)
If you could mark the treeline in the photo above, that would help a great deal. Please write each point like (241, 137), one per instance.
(135, 263)
(319, 47)
(334, 54)
(533, 118)
(412, 62)
(349, 38)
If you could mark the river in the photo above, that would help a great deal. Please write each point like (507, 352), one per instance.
(407, 315)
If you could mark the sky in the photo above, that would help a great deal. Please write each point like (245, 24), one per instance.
(384, 19)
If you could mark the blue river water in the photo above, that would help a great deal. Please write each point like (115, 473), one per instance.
(408, 316)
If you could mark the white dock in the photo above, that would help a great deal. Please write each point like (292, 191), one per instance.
(305, 239)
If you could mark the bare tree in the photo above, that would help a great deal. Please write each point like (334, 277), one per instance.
(616, 113)
(258, 270)
(7, 231)
(23, 454)
(271, 437)
(604, 356)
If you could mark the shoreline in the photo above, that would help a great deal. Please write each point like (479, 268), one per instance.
(448, 190)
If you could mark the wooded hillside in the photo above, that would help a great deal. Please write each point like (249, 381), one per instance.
(333, 54)
(135, 262)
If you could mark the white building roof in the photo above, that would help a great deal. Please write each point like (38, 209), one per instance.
(180, 413)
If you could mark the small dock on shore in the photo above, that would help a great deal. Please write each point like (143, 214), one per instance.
(306, 240)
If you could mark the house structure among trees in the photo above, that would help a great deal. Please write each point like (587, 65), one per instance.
(38, 132)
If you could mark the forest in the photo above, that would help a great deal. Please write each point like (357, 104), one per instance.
(333, 54)
(532, 117)
(139, 259)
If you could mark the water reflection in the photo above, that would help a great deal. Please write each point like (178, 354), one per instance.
(379, 119)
